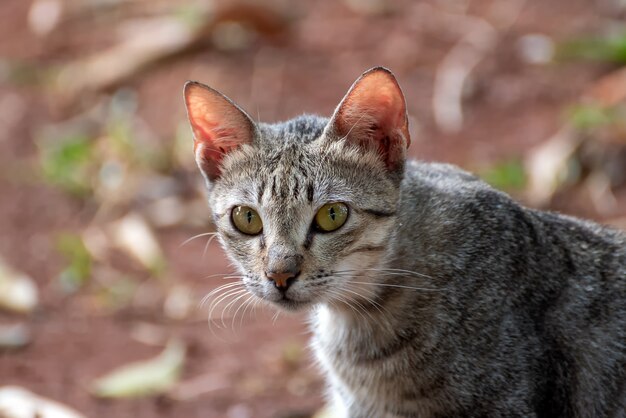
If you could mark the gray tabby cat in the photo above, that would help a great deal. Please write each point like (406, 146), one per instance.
(432, 294)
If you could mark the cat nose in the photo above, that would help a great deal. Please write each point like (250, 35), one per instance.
(282, 280)
(282, 267)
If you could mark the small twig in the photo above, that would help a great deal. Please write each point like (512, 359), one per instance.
(479, 39)
(452, 72)
(546, 163)
(598, 185)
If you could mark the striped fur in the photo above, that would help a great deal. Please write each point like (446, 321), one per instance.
(440, 296)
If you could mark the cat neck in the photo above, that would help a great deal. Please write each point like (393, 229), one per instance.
(371, 336)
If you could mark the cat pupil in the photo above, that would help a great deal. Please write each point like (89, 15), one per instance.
(249, 216)
(332, 213)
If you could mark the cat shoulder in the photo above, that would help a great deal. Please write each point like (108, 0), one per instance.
(447, 186)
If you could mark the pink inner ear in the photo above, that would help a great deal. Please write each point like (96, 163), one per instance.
(208, 159)
(373, 113)
(218, 125)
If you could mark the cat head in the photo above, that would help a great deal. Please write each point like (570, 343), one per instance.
(304, 207)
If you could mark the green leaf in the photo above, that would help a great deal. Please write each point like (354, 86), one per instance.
(589, 115)
(67, 162)
(506, 175)
(606, 49)
(77, 273)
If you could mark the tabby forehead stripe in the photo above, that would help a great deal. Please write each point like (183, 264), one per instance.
(309, 192)
(284, 190)
(309, 238)
(261, 192)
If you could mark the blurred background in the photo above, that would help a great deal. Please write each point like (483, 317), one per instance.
(105, 251)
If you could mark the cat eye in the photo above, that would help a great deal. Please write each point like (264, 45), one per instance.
(247, 220)
(331, 216)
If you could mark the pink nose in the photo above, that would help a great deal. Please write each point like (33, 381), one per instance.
(282, 280)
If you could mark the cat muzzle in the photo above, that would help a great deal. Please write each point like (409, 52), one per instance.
(283, 280)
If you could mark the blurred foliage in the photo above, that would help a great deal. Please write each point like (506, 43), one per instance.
(610, 48)
(585, 116)
(78, 271)
(68, 163)
(117, 295)
(608, 122)
(506, 175)
(192, 14)
(83, 158)
(110, 156)
(22, 73)
(293, 354)
(127, 137)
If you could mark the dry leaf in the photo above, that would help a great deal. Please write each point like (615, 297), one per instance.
(160, 37)
(325, 413)
(14, 336)
(18, 292)
(143, 378)
(546, 164)
(44, 16)
(17, 402)
(179, 302)
(133, 235)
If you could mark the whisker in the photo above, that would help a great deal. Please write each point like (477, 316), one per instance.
(215, 303)
(377, 305)
(187, 241)
(217, 290)
(218, 274)
(206, 246)
(232, 294)
(257, 302)
(225, 295)
(359, 309)
(398, 286)
(361, 305)
(275, 317)
(246, 304)
(227, 308)
(390, 271)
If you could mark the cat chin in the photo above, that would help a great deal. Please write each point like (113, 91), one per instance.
(290, 305)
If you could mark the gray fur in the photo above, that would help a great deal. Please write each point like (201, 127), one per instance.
(440, 296)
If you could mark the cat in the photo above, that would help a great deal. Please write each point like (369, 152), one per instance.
(431, 294)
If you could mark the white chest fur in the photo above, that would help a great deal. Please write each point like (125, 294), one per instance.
(357, 386)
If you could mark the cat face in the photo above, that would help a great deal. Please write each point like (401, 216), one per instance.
(305, 207)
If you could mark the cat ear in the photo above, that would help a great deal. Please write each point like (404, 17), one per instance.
(373, 115)
(218, 126)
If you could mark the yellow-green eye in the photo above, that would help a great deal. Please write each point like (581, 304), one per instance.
(331, 216)
(247, 220)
